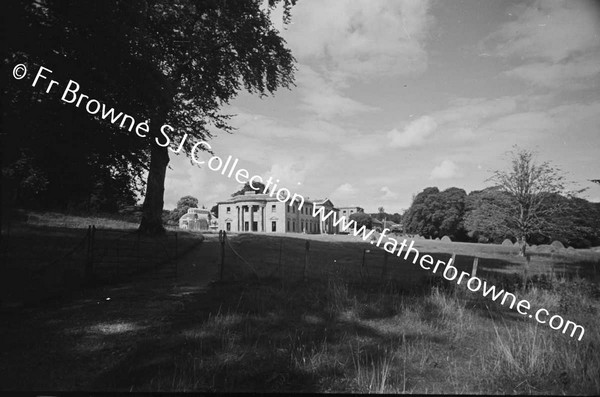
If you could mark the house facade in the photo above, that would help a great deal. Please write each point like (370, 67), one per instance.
(253, 212)
(347, 211)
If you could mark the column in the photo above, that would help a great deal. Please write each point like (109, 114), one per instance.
(251, 218)
(242, 221)
(237, 208)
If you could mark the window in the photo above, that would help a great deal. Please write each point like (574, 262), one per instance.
(294, 209)
(301, 226)
(228, 210)
(245, 209)
(228, 226)
(288, 209)
(294, 226)
(273, 225)
(288, 225)
(273, 208)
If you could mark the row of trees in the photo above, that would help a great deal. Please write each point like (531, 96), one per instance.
(528, 203)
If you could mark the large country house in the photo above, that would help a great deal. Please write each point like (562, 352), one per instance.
(253, 212)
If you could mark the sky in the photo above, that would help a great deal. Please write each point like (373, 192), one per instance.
(395, 96)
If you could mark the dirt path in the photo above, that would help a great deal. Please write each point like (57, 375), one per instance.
(79, 343)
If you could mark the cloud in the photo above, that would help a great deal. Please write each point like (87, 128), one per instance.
(556, 43)
(414, 134)
(263, 128)
(446, 170)
(572, 74)
(291, 173)
(475, 110)
(344, 193)
(388, 194)
(322, 96)
(363, 145)
(184, 179)
(361, 38)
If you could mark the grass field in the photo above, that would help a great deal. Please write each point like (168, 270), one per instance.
(355, 259)
(45, 254)
(349, 328)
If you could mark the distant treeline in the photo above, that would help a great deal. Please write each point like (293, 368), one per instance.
(474, 217)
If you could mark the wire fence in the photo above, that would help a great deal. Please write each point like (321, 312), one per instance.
(82, 258)
(296, 259)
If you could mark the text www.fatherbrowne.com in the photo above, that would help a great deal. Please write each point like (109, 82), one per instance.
(449, 272)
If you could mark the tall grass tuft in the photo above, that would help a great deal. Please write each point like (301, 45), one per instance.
(373, 370)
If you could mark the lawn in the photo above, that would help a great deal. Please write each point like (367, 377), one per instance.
(349, 328)
(45, 254)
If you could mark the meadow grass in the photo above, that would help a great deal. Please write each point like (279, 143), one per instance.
(335, 336)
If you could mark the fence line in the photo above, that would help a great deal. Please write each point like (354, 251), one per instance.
(97, 256)
(303, 259)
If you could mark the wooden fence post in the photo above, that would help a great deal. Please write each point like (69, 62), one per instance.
(92, 251)
(89, 263)
(362, 266)
(222, 236)
(526, 270)
(306, 260)
(137, 262)
(87, 269)
(279, 263)
(385, 259)
(475, 263)
(176, 259)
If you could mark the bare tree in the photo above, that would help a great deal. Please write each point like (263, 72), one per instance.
(532, 186)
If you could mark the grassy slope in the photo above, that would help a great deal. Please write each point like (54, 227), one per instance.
(44, 254)
(326, 335)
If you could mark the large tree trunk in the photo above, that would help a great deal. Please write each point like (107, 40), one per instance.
(155, 191)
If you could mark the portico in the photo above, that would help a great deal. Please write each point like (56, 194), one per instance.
(251, 217)
(263, 213)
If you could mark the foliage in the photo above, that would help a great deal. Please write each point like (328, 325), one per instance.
(577, 224)
(361, 220)
(483, 210)
(260, 187)
(532, 186)
(183, 204)
(167, 62)
(437, 214)
(395, 217)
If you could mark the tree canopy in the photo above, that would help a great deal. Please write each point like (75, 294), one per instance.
(361, 220)
(168, 62)
(533, 188)
(436, 214)
(260, 187)
(183, 204)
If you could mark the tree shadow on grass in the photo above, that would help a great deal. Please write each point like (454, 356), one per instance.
(251, 337)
